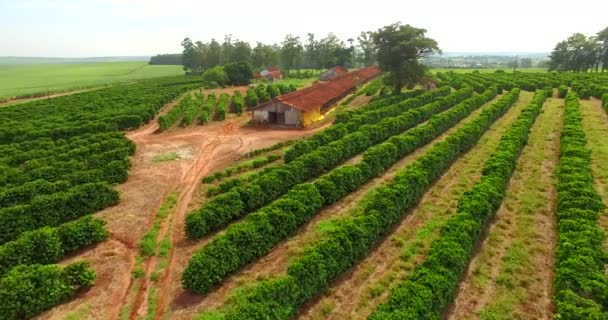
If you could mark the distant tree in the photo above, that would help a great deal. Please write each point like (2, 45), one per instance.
(602, 38)
(311, 56)
(166, 59)
(239, 73)
(543, 64)
(227, 48)
(241, 52)
(330, 49)
(514, 63)
(577, 53)
(525, 63)
(399, 49)
(191, 58)
(265, 55)
(214, 56)
(367, 47)
(292, 53)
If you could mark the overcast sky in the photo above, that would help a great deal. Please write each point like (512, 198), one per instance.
(86, 28)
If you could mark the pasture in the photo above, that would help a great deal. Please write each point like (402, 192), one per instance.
(27, 80)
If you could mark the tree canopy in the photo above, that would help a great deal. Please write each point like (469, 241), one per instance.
(399, 48)
(580, 53)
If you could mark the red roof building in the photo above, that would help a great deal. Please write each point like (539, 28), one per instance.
(333, 72)
(301, 108)
(270, 74)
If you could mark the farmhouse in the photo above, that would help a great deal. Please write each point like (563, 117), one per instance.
(270, 74)
(303, 107)
(332, 73)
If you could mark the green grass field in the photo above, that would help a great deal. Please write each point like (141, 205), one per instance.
(24, 80)
(488, 70)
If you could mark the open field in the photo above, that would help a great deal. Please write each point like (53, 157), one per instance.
(438, 204)
(19, 80)
(487, 70)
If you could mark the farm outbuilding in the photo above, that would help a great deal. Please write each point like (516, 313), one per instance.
(303, 107)
(332, 73)
(270, 74)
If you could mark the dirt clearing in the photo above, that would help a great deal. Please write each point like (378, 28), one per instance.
(200, 150)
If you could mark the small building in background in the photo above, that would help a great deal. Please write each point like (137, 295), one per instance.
(303, 107)
(271, 74)
(333, 72)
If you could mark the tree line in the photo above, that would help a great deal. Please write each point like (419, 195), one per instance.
(396, 48)
(580, 53)
(291, 54)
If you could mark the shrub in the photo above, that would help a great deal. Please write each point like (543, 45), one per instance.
(216, 74)
(222, 107)
(25, 291)
(262, 93)
(239, 73)
(238, 102)
(273, 90)
(562, 91)
(252, 98)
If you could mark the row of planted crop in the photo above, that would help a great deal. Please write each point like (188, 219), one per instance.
(109, 109)
(326, 136)
(339, 127)
(430, 289)
(352, 238)
(195, 108)
(58, 157)
(580, 282)
(245, 241)
(275, 182)
(27, 290)
(54, 160)
(55, 209)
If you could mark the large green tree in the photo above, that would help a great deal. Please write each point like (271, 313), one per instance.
(367, 48)
(264, 55)
(399, 49)
(292, 53)
(577, 53)
(602, 38)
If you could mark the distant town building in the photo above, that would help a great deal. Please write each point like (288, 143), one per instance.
(303, 107)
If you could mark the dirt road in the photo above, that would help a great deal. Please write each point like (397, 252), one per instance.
(202, 150)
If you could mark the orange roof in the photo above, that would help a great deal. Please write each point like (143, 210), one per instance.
(323, 92)
(338, 69)
(276, 74)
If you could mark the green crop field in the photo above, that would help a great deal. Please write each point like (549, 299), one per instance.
(487, 70)
(24, 80)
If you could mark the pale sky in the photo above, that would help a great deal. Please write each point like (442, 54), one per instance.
(88, 28)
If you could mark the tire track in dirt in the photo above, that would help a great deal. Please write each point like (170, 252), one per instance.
(189, 181)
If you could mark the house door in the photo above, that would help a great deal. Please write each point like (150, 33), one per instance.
(281, 117)
(272, 117)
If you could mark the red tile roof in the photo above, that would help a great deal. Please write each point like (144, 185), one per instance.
(339, 69)
(328, 91)
(276, 74)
